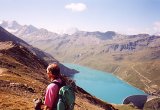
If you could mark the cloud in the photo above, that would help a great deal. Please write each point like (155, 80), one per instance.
(76, 7)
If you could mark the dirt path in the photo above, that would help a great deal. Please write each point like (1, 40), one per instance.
(5, 45)
(2, 71)
(148, 80)
(116, 70)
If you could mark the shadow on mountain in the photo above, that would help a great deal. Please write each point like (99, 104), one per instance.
(136, 100)
(68, 72)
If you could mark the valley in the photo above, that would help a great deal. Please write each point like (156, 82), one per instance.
(133, 58)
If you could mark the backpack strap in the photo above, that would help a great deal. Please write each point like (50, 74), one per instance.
(59, 85)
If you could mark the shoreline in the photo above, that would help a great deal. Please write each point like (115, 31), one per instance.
(141, 92)
(112, 74)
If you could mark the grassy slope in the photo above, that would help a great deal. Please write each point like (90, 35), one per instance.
(132, 67)
(143, 74)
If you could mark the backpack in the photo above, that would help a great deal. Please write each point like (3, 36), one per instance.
(66, 97)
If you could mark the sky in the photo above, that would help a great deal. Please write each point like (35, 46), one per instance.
(122, 16)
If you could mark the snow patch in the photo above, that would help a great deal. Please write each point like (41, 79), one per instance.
(11, 30)
(1, 21)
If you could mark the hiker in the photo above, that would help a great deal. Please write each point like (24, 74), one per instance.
(59, 95)
(52, 90)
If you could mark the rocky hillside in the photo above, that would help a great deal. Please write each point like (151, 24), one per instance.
(23, 78)
(134, 58)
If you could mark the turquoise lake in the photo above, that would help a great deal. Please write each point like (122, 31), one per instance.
(103, 85)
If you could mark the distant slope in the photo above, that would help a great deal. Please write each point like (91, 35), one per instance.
(134, 58)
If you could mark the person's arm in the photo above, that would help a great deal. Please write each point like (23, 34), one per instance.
(45, 107)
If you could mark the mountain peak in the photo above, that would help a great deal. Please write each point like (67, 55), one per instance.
(101, 35)
(110, 32)
(30, 28)
(10, 24)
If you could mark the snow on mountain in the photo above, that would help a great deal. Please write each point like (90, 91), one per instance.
(28, 33)
(1, 22)
(13, 25)
(11, 30)
(24, 30)
(157, 33)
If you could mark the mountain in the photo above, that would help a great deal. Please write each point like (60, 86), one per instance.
(28, 33)
(23, 78)
(133, 58)
(11, 25)
(6, 36)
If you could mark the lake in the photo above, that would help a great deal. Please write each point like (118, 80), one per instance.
(103, 85)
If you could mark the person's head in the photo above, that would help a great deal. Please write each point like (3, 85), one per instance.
(53, 71)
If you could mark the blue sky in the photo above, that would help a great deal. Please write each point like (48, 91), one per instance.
(122, 16)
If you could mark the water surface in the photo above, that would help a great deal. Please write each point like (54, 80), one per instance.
(103, 85)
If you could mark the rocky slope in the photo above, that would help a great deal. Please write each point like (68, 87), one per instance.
(23, 78)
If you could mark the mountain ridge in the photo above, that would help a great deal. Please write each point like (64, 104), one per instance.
(106, 51)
